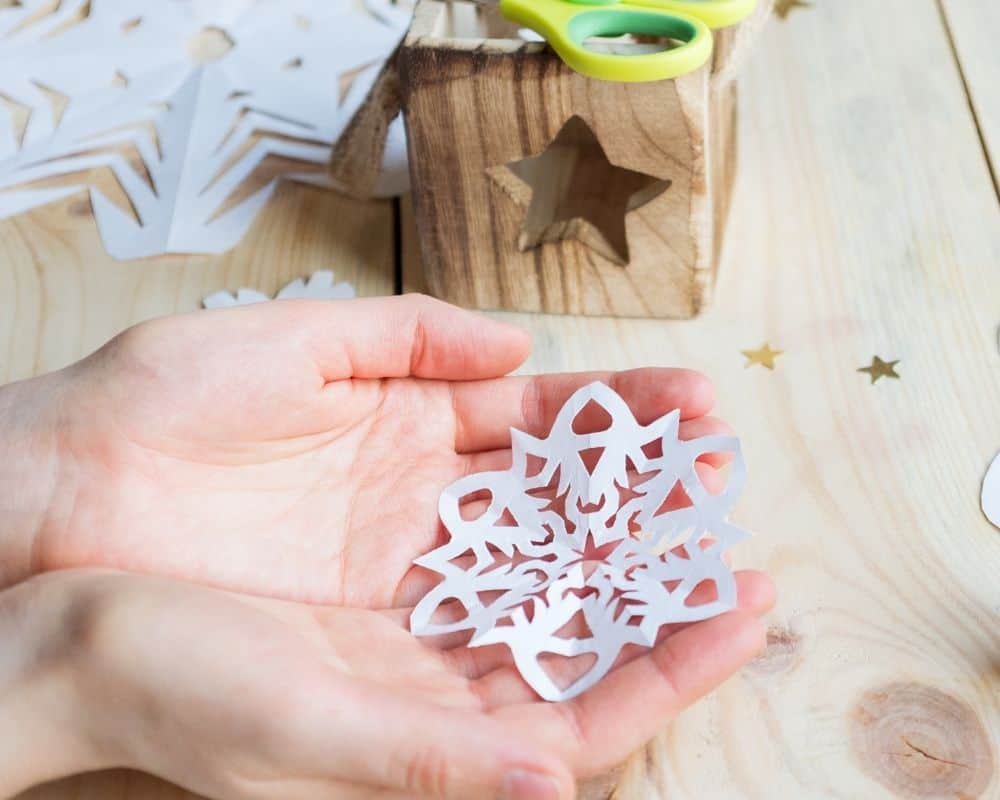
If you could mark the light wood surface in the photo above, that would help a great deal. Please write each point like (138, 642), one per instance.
(62, 296)
(972, 26)
(865, 222)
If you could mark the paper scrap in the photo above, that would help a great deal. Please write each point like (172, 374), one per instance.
(115, 86)
(989, 497)
(320, 286)
(575, 553)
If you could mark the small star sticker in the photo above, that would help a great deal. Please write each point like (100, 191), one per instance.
(764, 356)
(880, 369)
(784, 7)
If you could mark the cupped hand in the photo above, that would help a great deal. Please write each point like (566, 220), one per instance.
(244, 697)
(297, 449)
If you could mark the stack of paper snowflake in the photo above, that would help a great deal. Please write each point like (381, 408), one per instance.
(91, 82)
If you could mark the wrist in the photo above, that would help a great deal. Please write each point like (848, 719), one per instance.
(45, 727)
(28, 472)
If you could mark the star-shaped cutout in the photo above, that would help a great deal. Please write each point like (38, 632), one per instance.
(572, 191)
(784, 7)
(764, 356)
(880, 369)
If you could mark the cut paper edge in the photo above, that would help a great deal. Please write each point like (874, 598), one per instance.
(319, 286)
(214, 123)
(627, 584)
(19, 202)
(989, 496)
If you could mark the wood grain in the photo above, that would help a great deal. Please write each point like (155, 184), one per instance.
(864, 223)
(356, 160)
(973, 28)
(62, 296)
(474, 106)
(733, 46)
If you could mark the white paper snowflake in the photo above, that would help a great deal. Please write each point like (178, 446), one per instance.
(989, 496)
(92, 76)
(576, 552)
(320, 286)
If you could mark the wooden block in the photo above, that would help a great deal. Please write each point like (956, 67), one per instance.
(733, 45)
(476, 104)
(356, 160)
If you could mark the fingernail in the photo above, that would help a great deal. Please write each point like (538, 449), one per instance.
(519, 784)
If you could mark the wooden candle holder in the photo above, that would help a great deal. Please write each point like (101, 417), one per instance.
(537, 189)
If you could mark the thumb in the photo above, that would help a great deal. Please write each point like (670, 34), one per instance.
(460, 756)
(433, 752)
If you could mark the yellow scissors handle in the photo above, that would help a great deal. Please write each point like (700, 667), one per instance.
(567, 25)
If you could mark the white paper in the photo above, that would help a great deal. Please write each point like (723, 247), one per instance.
(320, 286)
(990, 496)
(528, 554)
(125, 66)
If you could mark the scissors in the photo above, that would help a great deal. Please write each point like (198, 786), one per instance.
(567, 24)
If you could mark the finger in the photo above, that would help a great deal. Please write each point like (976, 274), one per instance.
(486, 410)
(707, 426)
(457, 754)
(631, 705)
(503, 685)
(395, 337)
(319, 789)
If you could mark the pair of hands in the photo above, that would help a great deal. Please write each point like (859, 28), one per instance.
(278, 467)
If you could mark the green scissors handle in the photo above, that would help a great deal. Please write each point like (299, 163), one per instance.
(567, 24)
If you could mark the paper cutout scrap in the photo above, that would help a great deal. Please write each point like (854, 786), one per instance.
(98, 84)
(989, 497)
(320, 286)
(575, 553)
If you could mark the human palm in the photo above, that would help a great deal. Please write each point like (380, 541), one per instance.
(298, 449)
(316, 701)
(295, 451)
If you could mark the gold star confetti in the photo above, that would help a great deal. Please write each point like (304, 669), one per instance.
(784, 7)
(764, 356)
(880, 369)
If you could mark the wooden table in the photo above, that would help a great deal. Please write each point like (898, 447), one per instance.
(865, 223)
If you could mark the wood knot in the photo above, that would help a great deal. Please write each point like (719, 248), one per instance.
(80, 208)
(920, 742)
(782, 651)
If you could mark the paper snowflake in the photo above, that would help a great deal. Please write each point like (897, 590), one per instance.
(989, 496)
(320, 286)
(577, 549)
(90, 84)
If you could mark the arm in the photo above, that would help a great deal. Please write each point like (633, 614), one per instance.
(43, 724)
(28, 471)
